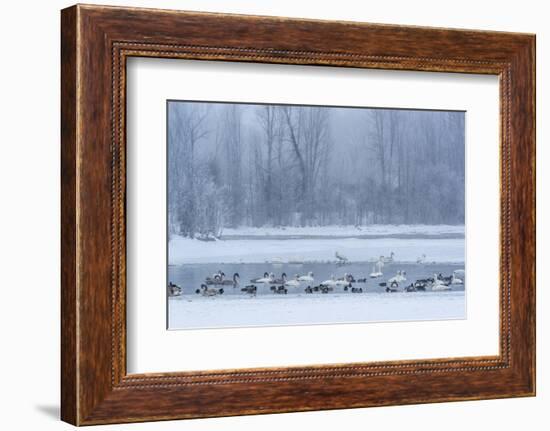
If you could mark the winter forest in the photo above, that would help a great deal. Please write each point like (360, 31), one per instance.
(247, 165)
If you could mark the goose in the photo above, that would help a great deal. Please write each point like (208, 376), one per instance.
(292, 283)
(421, 259)
(209, 291)
(252, 289)
(399, 277)
(174, 289)
(232, 282)
(265, 279)
(387, 259)
(308, 277)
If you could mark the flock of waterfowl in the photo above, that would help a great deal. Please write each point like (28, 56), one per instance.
(214, 285)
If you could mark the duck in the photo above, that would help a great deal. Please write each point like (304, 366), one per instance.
(279, 289)
(308, 277)
(251, 288)
(410, 288)
(399, 277)
(326, 289)
(308, 289)
(209, 291)
(393, 287)
(356, 290)
(349, 278)
(420, 285)
(174, 289)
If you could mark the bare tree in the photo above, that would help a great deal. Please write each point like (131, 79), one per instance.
(234, 165)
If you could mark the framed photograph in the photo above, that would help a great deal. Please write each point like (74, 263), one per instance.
(266, 215)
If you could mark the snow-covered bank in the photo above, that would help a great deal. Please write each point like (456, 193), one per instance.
(315, 309)
(185, 250)
(349, 231)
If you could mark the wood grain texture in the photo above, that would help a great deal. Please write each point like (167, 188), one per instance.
(96, 41)
(69, 397)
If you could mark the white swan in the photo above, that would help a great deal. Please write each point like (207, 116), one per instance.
(376, 270)
(332, 282)
(459, 273)
(267, 278)
(399, 277)
(438, 285)
(292, 283)
(456, 280)
(387, 259)
(343, 282)
(421, 259)
(308, 277)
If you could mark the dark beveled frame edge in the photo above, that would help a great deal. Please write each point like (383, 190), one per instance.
(95, 43)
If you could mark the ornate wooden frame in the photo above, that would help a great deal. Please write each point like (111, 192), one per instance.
(95, 43)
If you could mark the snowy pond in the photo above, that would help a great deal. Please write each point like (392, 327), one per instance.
(250, 252)
(236, 308)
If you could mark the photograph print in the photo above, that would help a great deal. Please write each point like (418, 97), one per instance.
(304, 215)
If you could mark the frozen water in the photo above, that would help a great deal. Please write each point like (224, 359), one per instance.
(253, 251)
